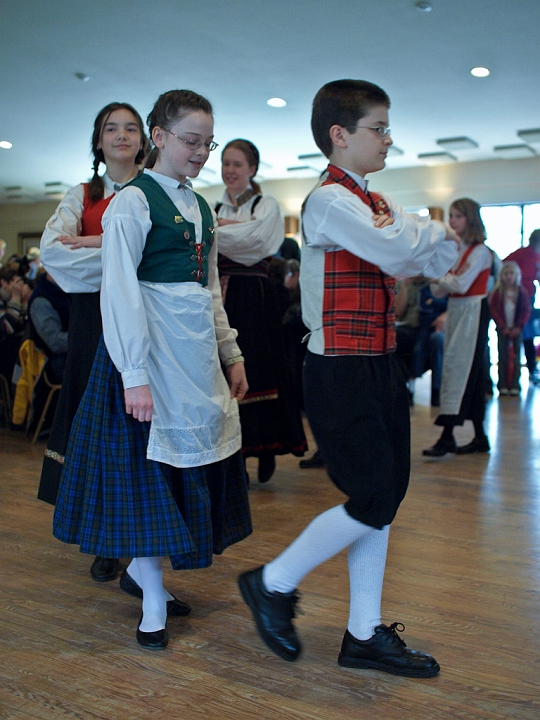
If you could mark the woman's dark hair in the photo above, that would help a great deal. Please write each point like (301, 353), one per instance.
(96, 185)
(171, 107)
(475, 232)
(251, 154)
(343, 102)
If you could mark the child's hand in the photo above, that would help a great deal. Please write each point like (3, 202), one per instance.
(80, 241)
(381, 221)
(451, 235)
(514, 332)
(507, 332)
(139, 402)
(236, 375)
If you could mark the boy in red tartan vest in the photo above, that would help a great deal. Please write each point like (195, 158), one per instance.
(355, 244)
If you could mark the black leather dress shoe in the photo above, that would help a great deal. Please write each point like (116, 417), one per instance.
(156, 640)
(104, 569)
(440, 448)
(477, 445)
(315, 461)
(273, 613)
(385, 650)
(175, 607)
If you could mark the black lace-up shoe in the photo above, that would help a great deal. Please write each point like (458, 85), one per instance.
(385, 650)
(273, 613)
(478, 445)
(440, 448)
(175, 607)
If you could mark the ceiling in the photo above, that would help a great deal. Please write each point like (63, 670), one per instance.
(239, 53)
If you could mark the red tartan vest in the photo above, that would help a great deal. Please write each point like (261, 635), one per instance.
(92, 213)
(359, 299)
(480, 284)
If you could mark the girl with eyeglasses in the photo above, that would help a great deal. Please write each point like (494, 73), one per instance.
(251, 230)
(153, 466)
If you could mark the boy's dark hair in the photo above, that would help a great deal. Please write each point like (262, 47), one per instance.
(96, 184)
(534, 238)
(342, 102)
(171, 107)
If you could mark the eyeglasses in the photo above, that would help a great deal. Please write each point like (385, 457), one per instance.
(195, 144)
(379, 129)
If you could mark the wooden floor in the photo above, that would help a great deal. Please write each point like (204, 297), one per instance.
(463, 575)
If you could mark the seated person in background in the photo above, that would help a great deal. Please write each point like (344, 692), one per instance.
(48, 311)
(429, 346)
(420, 334)
(407, 325)
(15, 292)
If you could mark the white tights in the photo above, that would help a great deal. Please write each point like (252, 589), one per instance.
(329, 533)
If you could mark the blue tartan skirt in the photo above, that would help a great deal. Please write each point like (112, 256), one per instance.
(114, 502)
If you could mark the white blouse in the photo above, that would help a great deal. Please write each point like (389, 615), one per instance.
(258, 234)
(479, 259)
(170, 336)
(76, 271)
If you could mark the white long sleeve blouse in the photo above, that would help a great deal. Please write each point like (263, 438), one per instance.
(76, 271)
(258, 234)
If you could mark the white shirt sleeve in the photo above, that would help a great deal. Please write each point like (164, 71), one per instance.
(479, 259)
(126, 223)
(337, 219)
(76, 271)
(258, 238)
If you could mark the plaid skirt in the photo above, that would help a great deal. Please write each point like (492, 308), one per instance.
(114, 502)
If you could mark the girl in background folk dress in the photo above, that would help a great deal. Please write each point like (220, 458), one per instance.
(251, 230)
(71, 253)
(463, 379)
(153, 466)
(510, 309)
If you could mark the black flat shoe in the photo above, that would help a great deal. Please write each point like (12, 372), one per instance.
(104, 569)
(478, 445)
(267, 467)
(315, 461)
(156, 640)
(440, 448)
(385, 650)
(175, 607)
(273, 613)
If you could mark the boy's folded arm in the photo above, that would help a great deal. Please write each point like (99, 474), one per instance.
(409, 247)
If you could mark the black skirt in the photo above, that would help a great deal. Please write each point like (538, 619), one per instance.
(270, 413)
(84, 332)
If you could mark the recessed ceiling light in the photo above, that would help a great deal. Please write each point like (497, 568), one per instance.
(514, 152)
(276, 102)
(437, 158)
(83, 77)
(530, 136)
(424, 6)
(5, 144)
(457, 143)
(311, 156)
(480, 72)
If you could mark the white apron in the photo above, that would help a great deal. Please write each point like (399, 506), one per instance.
(194, 420)
(460, 337)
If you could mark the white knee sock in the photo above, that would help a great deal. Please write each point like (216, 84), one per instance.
(323, 538)
(367, 560)
(154, 602)
(133, 572)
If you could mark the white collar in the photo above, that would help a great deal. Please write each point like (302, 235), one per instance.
(166, 180)
(358, 179)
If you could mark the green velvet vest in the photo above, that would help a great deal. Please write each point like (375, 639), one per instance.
(171, 254)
